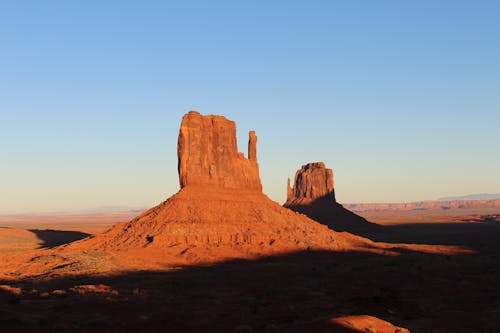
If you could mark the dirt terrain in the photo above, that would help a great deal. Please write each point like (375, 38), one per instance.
(293, 292)
(20, 232)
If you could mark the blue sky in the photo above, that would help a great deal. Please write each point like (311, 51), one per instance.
(400, 98)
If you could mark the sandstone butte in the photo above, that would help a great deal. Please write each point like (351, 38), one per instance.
(219, 213)
(313, 194)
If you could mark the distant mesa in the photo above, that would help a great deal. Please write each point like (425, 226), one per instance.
(313, 194)
(425, 206)
(106, 209)
(481, 196)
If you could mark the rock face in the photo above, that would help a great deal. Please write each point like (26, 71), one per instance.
(209, 158)
(252, 146)
(351, 324)
(312, 181)
(365, 323)
(313, 194)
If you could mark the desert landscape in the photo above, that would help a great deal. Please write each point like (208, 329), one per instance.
(250, 166)
(220, 256)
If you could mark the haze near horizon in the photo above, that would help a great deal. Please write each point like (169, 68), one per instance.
(399, 99)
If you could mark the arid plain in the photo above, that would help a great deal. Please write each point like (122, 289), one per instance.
(220, 256)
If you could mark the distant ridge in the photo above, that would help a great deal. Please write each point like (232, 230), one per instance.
(104, 209)
(481, 196)
(426, 205)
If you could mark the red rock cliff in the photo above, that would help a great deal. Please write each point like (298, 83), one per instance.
(220, 211)
(208, 155)
(312, 181)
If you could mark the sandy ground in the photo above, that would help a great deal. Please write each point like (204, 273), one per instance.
(22, 232)
(91, 223)
(294, 292)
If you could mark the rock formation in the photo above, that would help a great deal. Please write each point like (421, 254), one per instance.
(313, 194)
(365, 323)
(219, 213)
(209, 158)
(252, 146)
(352, 324)
(312, 181)
(139, 270)
(220, 210)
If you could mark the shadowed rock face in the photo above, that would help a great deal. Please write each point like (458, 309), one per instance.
(313, 194)
(209, 158)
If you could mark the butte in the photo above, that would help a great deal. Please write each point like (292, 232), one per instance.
(219, 213)
(313, 194)
(220, 205)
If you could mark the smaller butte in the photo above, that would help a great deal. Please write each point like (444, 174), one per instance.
(313, 194)
(220, 211)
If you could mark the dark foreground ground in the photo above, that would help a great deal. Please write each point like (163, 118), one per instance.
(422, 292)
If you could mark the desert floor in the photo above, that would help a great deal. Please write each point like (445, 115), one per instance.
(295, 292)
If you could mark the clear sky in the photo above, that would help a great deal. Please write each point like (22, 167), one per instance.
(400, 98)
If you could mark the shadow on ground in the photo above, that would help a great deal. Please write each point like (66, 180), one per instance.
(332, 214)
(51, 238)
(296, 292)
(477, 235)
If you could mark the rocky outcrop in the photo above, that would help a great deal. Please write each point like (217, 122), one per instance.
(220, 213)
(220, 210)
(208, 155)
(351, 324)
(365, 323)
(313, 194)
(252, 146)
(312, 181)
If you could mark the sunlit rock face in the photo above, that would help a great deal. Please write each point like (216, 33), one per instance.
(220, 210)
(312, 181)
(209, 157)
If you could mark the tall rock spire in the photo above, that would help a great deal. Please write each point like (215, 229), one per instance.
(252, 146)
